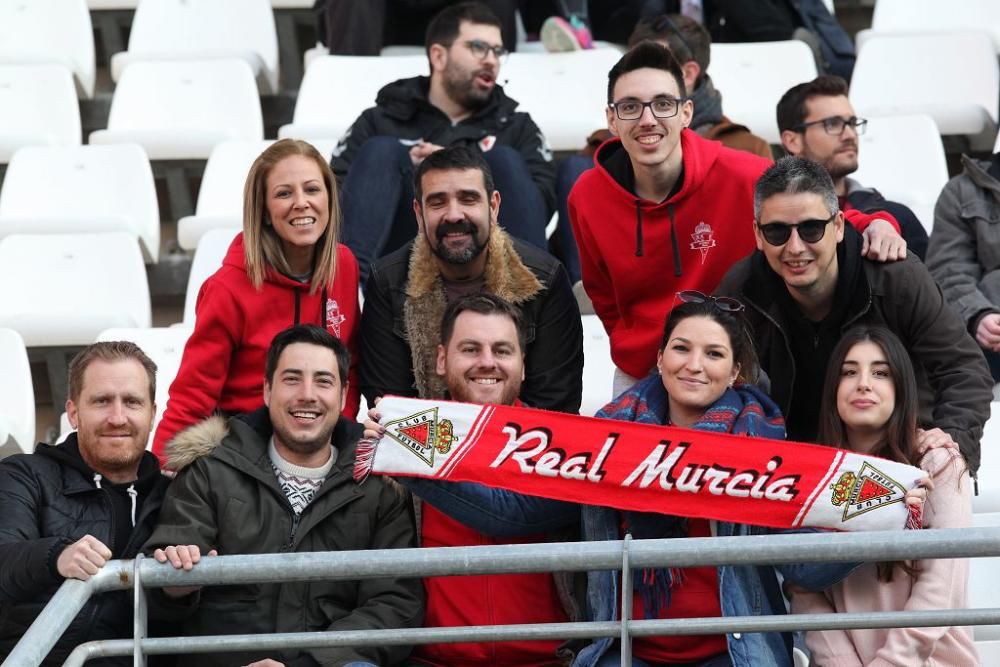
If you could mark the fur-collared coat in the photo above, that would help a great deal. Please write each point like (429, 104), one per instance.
(227, 497)
(405, 300)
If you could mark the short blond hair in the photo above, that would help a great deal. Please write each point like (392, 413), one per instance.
(261, 245)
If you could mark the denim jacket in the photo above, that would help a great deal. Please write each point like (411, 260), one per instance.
(744, 590)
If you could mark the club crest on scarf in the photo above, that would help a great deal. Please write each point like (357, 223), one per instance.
(423, 434)
(865, 491)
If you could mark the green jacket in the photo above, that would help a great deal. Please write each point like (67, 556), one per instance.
(226, 497)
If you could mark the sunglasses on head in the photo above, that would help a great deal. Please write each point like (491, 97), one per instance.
(810, 231)
(723, 303)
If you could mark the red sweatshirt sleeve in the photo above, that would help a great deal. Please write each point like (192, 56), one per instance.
(204, 367)
(347, 279)
(596, 279)
(860, 221)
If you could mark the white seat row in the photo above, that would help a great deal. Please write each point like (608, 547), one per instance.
(988, 500)
(38, 107)
(17, 397)
(915, 16)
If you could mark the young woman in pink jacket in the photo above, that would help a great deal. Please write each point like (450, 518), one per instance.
(870, 406)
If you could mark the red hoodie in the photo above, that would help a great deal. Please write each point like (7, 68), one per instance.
(636, 254)
(223, 363)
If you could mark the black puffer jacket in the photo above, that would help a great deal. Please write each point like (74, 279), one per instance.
(49, 500)
(403, 110)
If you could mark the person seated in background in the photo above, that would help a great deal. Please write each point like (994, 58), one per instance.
(663, 210)
(807, 283)
(460, 250)
(280, 480)
(460, 103)
(690, 45)
(481, 359)
(870, 406)
(705, 381)
(964, 251)
(817, 121)
(285, 268)
(68, 509)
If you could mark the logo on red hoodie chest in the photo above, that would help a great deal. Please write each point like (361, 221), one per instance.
(703, 239)
(334, 318)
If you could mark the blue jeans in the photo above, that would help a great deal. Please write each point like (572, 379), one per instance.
(565, 249)
(377, 199)
(993, 360)
(613, 658)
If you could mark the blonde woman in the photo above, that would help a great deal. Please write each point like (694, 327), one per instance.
(285, 268)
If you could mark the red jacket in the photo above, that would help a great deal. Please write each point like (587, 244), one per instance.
(223, 363)
(636, 254)
(488, 599)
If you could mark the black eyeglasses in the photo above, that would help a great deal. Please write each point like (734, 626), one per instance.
(661, 107)
(724, 303)
(810, 231)
(481, 49)
(836, 124)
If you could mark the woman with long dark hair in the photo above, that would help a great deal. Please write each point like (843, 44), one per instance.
(869, 406)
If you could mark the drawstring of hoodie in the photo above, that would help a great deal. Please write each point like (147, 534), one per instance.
(675, 247)
(131, 491)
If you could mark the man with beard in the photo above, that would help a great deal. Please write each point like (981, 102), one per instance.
(280, 480)
(817, 122)
(480, 359)
(67, 510)
(461, 250)
(460, 103)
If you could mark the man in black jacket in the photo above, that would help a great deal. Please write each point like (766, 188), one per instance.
(67, 510)
(817, 121)
(460, 103)
(460, 250)
(807, 284)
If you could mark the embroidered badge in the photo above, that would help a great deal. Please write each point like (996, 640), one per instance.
(334, 318)
(423, 434)
(487, 142)
(702, 239)
(865, 491)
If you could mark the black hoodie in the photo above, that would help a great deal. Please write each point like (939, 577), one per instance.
(49, 500)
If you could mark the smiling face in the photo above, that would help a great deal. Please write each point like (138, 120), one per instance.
(808, 269)
(298, 208)
(467, 79)
(866, 393)
(697, 366)
(838, 153)
(455, 215)
(483, 362)
(651, 143)
(113, 416)
(304, 399)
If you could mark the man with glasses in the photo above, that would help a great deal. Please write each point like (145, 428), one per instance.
(808, 283)
(817, 122)
(459, 103)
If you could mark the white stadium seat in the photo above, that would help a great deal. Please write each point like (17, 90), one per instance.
(598, 369)
(181, 110)
(988, 500)
(164, 346)
(753, 77)
(903, 158)
(336, 89)
(207, 260)
(63, 289)
(220, 198)
(50, 31)
(204, 30)
(17, 396)
(908, 16)
(101, 189)
(893, 74)
(565, 93)
(38, 107)
(984, 582)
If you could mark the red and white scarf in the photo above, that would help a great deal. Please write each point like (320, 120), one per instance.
(640, 467)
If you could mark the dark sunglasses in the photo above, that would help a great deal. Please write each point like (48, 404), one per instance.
(810, 231)
(724, 303)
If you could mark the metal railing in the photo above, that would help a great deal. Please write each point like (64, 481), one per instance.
(622, 555)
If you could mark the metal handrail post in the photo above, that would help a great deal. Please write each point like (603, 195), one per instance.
(626, 638)
(62, 608)
(139, 613)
